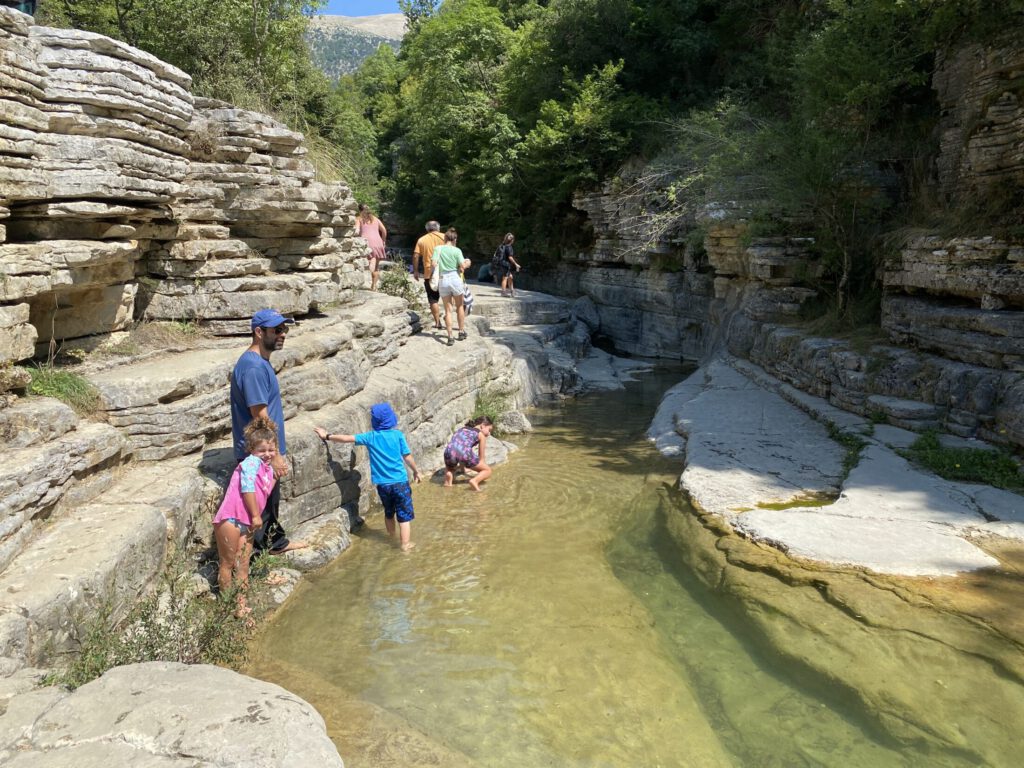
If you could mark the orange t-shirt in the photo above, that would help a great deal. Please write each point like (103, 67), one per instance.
(424, 250)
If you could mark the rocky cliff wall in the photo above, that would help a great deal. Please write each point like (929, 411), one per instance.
(952, 307)
(123, 197)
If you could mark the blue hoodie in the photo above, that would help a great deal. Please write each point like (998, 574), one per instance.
(386, 445)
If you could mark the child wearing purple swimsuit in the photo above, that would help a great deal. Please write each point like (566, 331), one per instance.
(460, 452)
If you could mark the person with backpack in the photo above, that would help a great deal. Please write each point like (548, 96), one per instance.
(507, 265)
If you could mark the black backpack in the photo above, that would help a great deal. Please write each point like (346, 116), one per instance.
(498, 259)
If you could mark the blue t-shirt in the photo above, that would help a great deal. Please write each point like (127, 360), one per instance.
(253, 382)
(387, 447)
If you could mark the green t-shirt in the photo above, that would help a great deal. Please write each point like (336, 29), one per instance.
(448, 258)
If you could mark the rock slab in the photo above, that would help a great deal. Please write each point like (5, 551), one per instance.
(169, 715)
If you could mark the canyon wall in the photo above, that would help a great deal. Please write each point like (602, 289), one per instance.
(140, 229)
(948, 353)
(123, 197)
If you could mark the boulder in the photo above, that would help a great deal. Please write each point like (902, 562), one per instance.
(167, 714)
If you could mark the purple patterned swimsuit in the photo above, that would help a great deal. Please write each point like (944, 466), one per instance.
(460, 448)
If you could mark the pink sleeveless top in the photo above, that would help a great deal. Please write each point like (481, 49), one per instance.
(371, 234)
(251, 476)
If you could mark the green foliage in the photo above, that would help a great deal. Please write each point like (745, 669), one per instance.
(68, 387)
(174, 623)
(972, 465)
(395, 281)
(490, 403)
(852, 446)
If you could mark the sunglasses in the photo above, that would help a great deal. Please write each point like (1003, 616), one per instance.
(280, 330)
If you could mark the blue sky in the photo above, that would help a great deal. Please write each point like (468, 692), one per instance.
(360, 7)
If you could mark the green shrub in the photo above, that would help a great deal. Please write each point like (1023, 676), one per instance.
(176, 622)
(490, 403)
(971, 465)
(68, 387)
(394, 281)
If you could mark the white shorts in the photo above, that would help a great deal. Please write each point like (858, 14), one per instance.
(450, 284)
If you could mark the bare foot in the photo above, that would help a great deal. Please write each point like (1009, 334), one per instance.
(475, 485)
(290, 546)
(276, 580)
(408, 545)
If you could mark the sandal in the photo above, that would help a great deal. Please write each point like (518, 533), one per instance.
(462, 335)
(451, 342)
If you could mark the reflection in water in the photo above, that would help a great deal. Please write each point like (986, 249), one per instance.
(537, 624)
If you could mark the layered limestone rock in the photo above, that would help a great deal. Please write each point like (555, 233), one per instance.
(764, 277)
(982, 118)
(962, 298)
(92, 510)
(164, 714)
(669, 301)
(856, 567)
(886, 383)
(122, 197)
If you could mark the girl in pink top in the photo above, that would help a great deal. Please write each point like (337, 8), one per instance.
(240, 514)
(373, 232)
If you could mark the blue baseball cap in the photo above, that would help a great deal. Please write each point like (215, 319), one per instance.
(268, 318)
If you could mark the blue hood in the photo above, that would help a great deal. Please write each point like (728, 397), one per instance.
(383, 417)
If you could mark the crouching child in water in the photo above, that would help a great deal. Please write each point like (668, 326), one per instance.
(468, 448)
(240, 513)
(389, 456)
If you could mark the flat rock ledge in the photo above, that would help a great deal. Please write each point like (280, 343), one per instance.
(759, 454)
(163, 715)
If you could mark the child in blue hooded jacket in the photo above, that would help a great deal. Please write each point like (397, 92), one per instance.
(389, 456)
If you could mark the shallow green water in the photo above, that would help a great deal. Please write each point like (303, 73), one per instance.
(540, 624)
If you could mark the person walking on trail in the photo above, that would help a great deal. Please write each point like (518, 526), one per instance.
(240, 514)
(372, 230)
(448, 259)
(468, 450)
(389, 457)
(255, 393)
(508, 265)
(423, 265)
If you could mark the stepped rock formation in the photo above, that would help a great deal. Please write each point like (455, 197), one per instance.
(123, 197)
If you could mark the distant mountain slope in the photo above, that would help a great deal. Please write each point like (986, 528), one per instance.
(340, 43)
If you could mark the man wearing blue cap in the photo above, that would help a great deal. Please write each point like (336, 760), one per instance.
(255, 392)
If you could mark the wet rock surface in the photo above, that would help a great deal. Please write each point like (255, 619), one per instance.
(891, 595)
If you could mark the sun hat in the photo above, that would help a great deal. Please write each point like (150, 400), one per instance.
(382, 416)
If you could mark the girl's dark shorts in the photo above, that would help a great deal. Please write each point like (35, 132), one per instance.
(397, 501)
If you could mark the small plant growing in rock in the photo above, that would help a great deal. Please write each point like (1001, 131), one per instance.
(394, 281)
(204, 140)
(68, 387)
(490, 403)
(971, 465)
(179, 621)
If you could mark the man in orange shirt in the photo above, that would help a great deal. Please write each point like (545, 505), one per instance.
(423, 254)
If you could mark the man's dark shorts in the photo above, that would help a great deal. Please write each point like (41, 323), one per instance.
(397, 501)
(433, 297)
